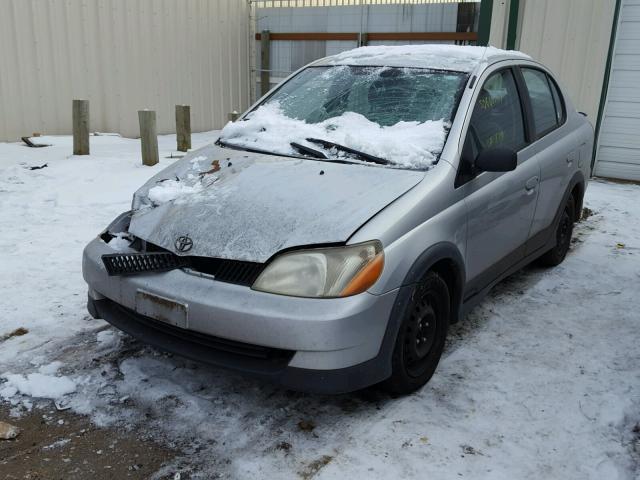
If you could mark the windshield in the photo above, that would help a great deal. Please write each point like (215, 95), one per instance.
(398, 114)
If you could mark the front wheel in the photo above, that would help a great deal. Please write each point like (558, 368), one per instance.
(564, 230)
(421, 336)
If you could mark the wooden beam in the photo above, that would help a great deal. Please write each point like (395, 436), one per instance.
(407, 36)
(183, 128)
(265, 62)
(311, 36)
(148, 137)
(373, 36)
(80, 122)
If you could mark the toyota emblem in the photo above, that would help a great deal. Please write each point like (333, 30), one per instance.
(183, 243)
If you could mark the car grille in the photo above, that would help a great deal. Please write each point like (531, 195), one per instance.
(159, 260)
(230, 271)
(130, 263)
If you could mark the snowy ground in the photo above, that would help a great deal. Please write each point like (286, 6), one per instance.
(541, 381)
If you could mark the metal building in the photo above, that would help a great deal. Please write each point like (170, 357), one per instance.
(122, 56)
(594, 48)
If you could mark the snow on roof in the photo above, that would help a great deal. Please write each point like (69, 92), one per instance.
(441, 57)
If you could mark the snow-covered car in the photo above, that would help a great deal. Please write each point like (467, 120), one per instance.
(329, 237)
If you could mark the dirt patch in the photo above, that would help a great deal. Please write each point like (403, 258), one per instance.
(586, 213)
(62, 445)
(18, 332)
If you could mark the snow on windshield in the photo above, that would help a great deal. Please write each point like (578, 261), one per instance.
(409, 144)
(396, 113)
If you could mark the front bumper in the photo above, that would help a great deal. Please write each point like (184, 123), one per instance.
(334, 345)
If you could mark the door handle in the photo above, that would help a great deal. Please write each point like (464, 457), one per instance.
(531, 184)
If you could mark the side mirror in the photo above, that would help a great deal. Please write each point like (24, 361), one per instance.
(497, 160)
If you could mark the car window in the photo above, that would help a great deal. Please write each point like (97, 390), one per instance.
(497, 116)
(384, 95)
(557, 100)
(545, 115)
(402, 115)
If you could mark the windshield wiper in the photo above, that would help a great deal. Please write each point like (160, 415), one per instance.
(362, 155)
(267, 152)
(308, 150)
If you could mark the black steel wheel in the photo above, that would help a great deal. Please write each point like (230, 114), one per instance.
(564, 231)
(421, 336)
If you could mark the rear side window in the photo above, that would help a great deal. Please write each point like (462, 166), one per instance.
(557, 100)
(546, 104)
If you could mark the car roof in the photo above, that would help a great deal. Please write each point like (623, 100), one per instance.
(434, 56)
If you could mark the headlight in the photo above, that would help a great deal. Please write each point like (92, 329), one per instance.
(324, 272)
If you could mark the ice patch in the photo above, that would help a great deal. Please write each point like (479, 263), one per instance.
(60, 443)
(51, 368)
(409, 144)
(108, 339)
(195, 161)
(36, 385)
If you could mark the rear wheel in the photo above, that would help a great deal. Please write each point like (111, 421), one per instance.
(556, 255)
(421, 336)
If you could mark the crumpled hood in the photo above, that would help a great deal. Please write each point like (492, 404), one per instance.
(248, 206)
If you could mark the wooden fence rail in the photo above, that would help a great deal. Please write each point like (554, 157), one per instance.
(375, 36)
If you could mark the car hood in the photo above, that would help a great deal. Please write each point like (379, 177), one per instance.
(248, 206)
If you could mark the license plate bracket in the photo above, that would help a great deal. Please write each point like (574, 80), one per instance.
(163, 309)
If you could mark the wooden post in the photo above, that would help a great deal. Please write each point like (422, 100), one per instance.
(80, 120)
(148, 137)
(183, 127)
(264, 62)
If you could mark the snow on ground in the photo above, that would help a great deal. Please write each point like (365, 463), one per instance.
(542, 380)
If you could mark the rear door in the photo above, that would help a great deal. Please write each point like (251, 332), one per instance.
(500, 206)
(554, 146)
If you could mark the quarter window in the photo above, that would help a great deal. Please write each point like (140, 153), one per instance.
(545, 102)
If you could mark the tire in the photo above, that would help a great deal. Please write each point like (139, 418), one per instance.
(421, 336)
(563, 233)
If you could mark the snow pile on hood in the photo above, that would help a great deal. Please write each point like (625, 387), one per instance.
(173, 189)
(408, 144)
(444, 57)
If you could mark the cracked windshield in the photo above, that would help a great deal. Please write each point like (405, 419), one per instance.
(385, 115)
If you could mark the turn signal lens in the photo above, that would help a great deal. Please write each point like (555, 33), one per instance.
(366, 277)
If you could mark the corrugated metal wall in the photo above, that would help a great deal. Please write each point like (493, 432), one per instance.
(287, 56)
(123, 56)
(618, 154)
(572, 38)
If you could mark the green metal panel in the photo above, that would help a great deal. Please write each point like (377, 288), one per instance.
(605, 83)
(484, 26)
(512, 32)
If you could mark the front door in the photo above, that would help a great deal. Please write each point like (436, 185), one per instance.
(500, 206)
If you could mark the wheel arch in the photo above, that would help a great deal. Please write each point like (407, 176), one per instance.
(577, 191)
(446, 260)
